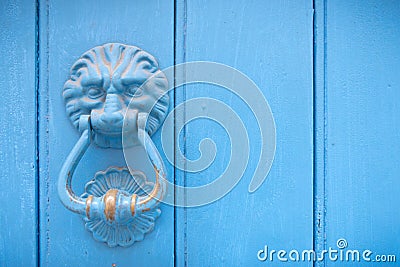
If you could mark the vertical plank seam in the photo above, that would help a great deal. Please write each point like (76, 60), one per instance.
(184, 137)
(325, 118)
(184, 32)
(325, 152)
(180, 214)
(316, 218)
(47, 132)
(37, 151)
(319, 125)
(174, 136)
(43, 123)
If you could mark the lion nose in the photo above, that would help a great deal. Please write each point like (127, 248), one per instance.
(112, 109)
(112, 103)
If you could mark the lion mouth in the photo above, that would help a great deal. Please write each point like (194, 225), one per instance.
(107, 123)
(109, 132)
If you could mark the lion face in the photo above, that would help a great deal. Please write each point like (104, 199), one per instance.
(108, 82)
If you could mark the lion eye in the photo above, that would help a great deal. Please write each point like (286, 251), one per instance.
(133, 91)
(95, 92)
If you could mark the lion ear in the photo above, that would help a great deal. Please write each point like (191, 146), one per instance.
(145, 65)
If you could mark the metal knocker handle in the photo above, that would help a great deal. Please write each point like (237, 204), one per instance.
(116, 207)
(119, 205)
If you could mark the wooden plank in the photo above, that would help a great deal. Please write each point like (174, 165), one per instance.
(67, 30)
(363, 127)
(18, 219)
(272, 43)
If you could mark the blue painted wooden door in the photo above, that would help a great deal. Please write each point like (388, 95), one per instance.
(330, 73)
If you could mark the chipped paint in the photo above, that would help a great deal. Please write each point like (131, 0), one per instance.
(88, 204)
(154, 192)
(110, 200)
(133, 204)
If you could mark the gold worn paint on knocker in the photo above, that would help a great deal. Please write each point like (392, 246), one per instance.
(108, 92)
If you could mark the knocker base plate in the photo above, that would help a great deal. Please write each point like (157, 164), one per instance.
(113, 232)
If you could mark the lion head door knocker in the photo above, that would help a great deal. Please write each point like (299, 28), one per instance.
(108, 94)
